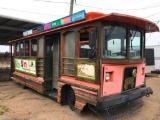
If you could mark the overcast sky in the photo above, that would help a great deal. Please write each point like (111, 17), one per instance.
(45, 11)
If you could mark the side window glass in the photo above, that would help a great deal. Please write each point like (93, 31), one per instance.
(22, 49)
(34, 47)
(17, 49)
(84, 42)
(41, 46)
(135, 44)
(84, 49)
(69, 54)
(27, 48)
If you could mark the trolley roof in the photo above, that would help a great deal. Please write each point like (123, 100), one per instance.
(144, 24)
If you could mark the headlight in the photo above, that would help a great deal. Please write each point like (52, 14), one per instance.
(108, 76)
(143, 71)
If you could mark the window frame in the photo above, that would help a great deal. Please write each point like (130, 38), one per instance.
(141, 46)
(81, 31)
(102, 41)
(17, 44)
(31, 47)
(28, 49)
(128, 28)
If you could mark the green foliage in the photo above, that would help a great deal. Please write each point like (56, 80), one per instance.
(3, 109)
(5, 55)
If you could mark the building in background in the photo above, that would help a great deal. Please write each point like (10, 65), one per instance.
(152, 58)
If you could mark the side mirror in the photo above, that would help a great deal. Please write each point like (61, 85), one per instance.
(92, 38)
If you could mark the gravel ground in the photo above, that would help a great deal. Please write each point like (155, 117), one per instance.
(17, 103)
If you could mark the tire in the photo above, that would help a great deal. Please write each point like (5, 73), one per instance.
(71, 99)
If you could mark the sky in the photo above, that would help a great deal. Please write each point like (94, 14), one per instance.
(45, 11)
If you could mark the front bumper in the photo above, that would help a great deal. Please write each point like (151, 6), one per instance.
(123, 98)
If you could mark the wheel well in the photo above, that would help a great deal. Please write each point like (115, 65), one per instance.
(64, 91)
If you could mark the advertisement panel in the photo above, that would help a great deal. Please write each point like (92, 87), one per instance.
(25, 65)
(86, 70)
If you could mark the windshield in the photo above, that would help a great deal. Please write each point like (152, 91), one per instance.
(135, 44)
(114, 42)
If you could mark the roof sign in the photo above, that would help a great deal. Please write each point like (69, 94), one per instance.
(81, 15)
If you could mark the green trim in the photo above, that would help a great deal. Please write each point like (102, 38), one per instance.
(86, 76)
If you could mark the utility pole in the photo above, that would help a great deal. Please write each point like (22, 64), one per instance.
(71, 7)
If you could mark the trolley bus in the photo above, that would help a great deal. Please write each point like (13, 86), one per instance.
(85, 59)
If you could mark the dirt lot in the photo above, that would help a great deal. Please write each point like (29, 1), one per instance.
(17, 103)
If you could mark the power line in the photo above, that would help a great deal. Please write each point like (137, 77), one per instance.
(76, 4)
(126, 3)
(53, 1)
(152, 15)
(49, 1)
(151, 32)
(29, 12)
(148, 7)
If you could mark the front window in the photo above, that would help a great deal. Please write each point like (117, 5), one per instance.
(135, 44)
(114, 42)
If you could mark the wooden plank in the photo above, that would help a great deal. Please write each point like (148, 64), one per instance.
(67, 69)
(59, 99)
(85, 94)
(80, 84)
(30, 82)
(35, 86)
(84, 90)
(19, 81)
(60, 84)
(80, 105)
(68, 75)
(68, 63)
(78, 110)
(85, 100)
(68, 58)
(30, 79)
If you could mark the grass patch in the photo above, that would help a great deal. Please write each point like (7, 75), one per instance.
(36, 98)
(14, 95)
(3, 109)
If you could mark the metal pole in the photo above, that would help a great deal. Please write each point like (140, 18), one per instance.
(11, 62)
(71, 7)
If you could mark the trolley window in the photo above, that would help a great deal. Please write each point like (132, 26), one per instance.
(69, 54)
(114, 42)
(27, 48)
(84, 42)
(34, 47)
(17, 49)
(135, 44)
(21, 49)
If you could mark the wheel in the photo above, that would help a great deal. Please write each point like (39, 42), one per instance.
(71, 99)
